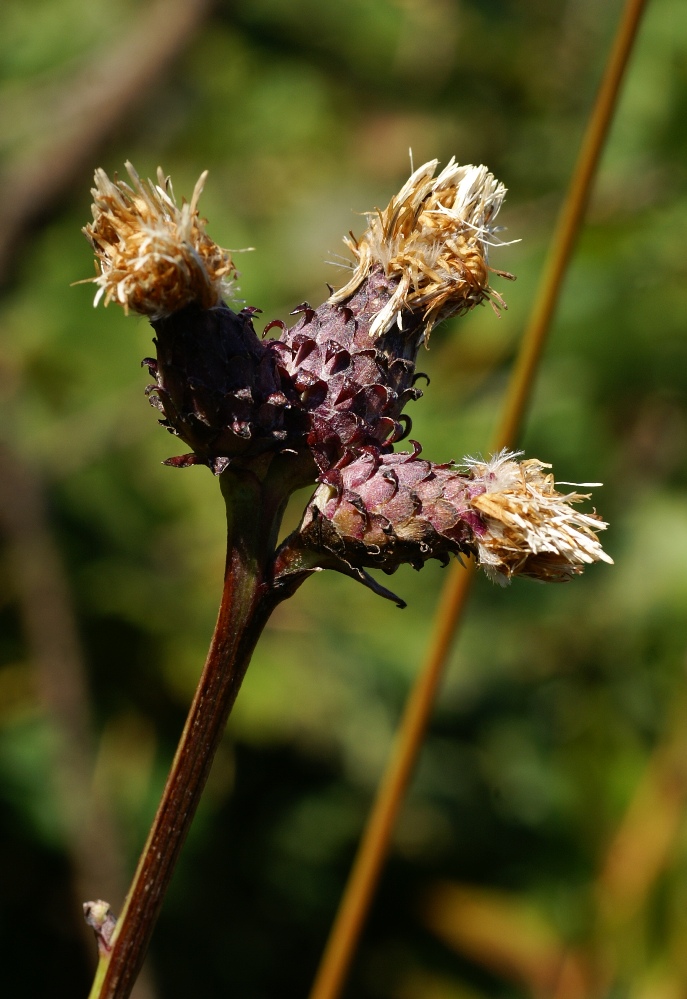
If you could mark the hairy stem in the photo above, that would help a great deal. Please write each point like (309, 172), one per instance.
(253, 516)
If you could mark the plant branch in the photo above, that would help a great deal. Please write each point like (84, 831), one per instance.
(374, 845)
(253, 515)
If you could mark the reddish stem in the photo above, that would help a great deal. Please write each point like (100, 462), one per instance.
(253, 515)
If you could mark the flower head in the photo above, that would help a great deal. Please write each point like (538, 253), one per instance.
(385, 510)
(531, 529)
(154, 256)
(433, 238)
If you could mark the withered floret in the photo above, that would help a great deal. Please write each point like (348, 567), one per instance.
(433, 240)
(155, 257)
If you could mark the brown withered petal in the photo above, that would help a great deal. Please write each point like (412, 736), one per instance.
(155, 257)
(532, 529)
(433, 241)
(383, 510)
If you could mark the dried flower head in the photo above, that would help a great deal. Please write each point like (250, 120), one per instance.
(433, 238)
(531, 528)
(382, 511)
(154, 256)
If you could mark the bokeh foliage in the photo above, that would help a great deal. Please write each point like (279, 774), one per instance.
(557, 699)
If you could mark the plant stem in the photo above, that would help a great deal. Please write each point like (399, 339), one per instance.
(568, 227)
(253, 515)
(374, 845)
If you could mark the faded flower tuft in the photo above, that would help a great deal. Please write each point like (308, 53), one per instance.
(531, 529)
(155, 257)
(433, 238)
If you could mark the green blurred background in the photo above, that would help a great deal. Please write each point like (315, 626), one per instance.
(542, 847)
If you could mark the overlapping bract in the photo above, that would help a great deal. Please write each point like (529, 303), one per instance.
(380, 511)
(352, 387)
(217, 385)
(333, 387)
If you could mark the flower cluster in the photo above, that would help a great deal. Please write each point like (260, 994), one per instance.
(331, 390)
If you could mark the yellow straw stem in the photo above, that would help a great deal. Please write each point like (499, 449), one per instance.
(374, 845)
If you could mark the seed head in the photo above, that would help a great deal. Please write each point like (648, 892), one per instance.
(531, 529)
(433, 238)
(154, 256)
